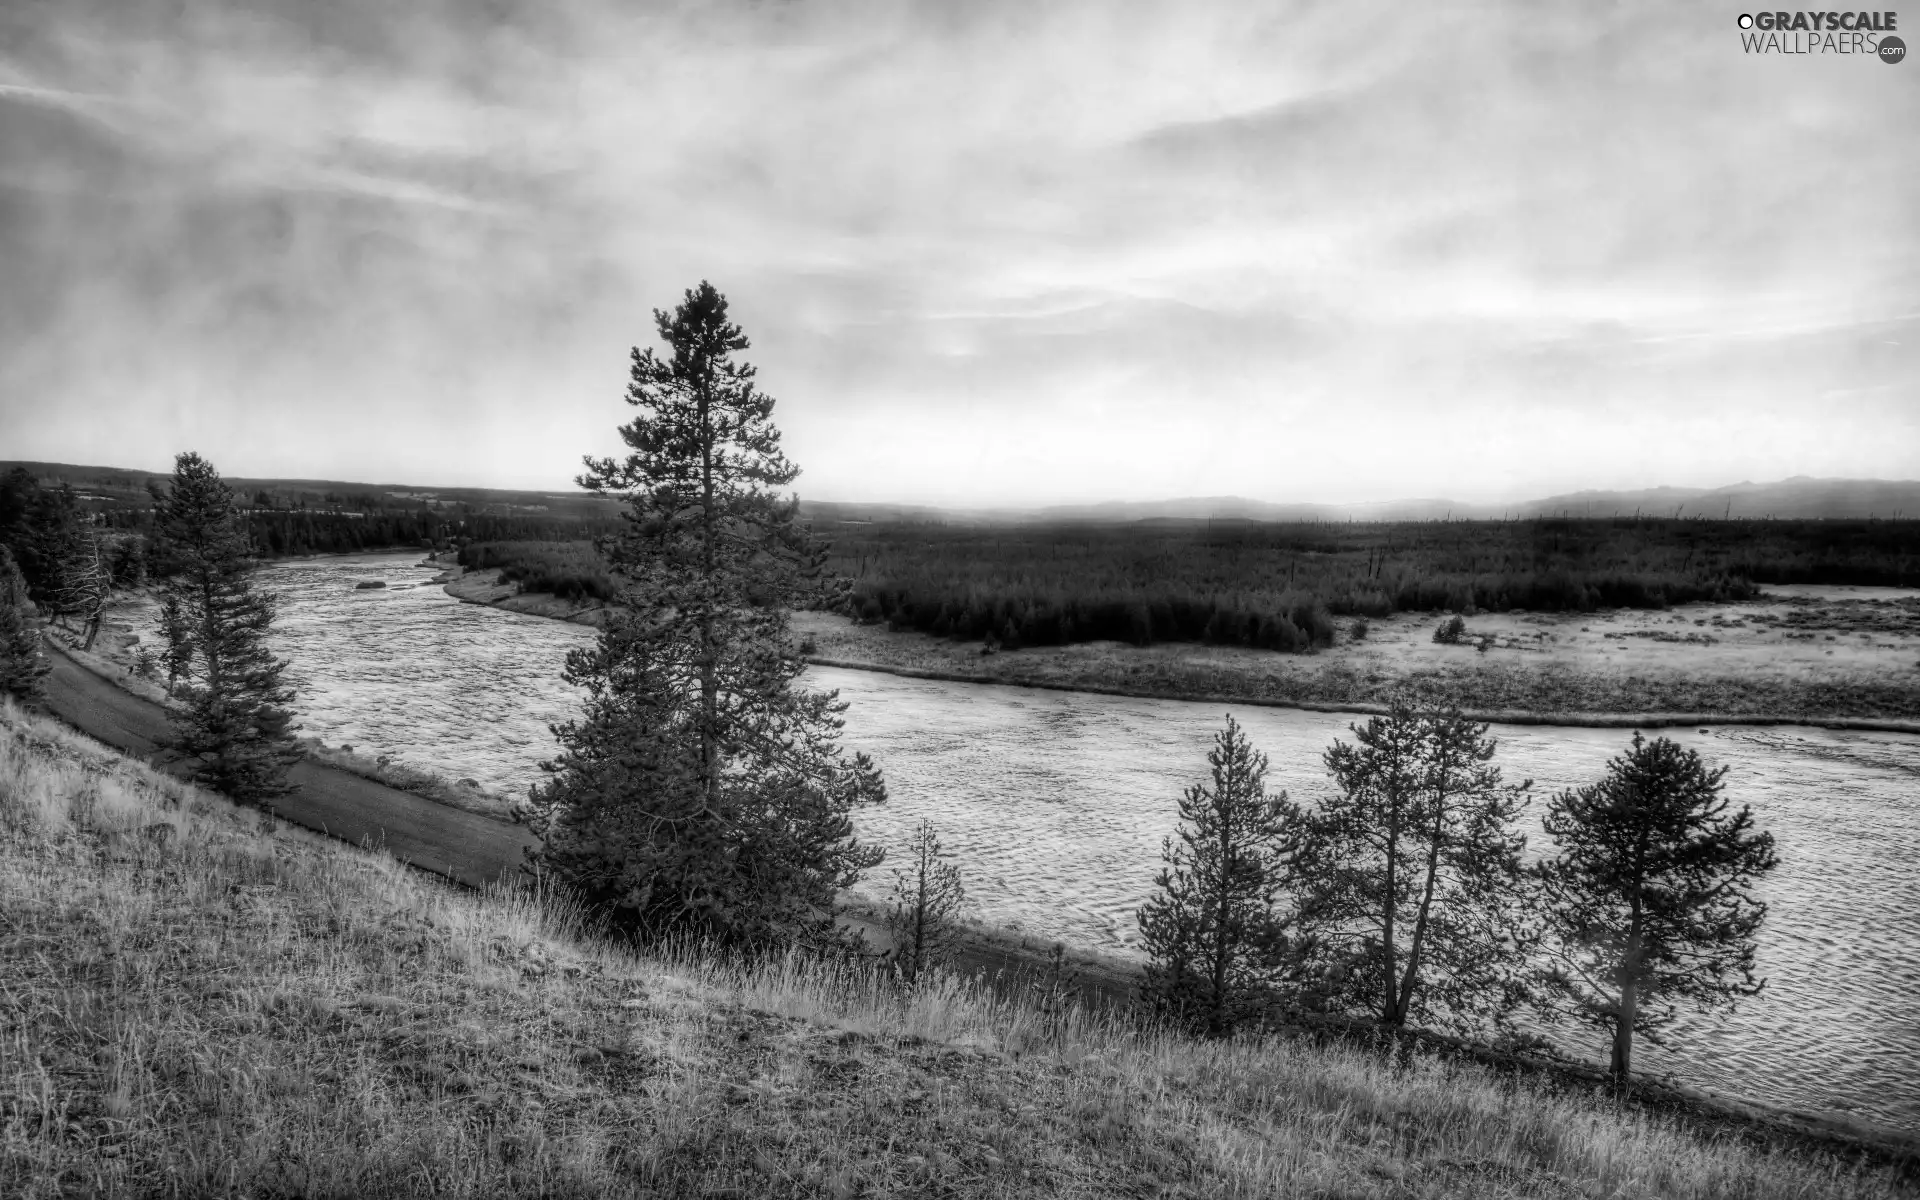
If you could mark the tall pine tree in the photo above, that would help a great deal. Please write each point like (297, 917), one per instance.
(234, 718)
(703, 791)
(1650, 899)
(1415, 874)
(1217, 930)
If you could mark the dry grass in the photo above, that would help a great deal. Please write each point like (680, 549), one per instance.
(193, 1002)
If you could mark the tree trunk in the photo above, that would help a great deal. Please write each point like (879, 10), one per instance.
(919, 921)
(1393, 859)
(1622, 1065)
(1405, 998)
(709, 684)
(1221, 950)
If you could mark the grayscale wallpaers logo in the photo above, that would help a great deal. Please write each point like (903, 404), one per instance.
(1862, 33)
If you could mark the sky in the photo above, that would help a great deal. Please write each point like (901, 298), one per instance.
(987, 253)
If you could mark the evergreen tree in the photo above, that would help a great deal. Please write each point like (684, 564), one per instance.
(18, 490)
(44, 536)
(1414, 871)
(23, 668)
(1217, 931)
(925, 908)
(127, 556)
(1650, 898)
(234, 720)
(702, 791)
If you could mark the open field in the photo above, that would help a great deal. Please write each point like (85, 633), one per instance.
(1274, 585)
(198, 1001)
(1802, 653)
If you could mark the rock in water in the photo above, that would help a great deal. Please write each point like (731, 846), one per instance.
(370, 583)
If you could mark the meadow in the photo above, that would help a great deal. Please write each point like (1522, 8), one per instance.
(1278, 586)
(199, 1001)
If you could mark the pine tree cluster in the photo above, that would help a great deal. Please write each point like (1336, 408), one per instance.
(1402, 897)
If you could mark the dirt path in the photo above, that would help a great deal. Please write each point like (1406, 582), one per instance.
(462, 846)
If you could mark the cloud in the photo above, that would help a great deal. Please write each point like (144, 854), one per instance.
(987, 252)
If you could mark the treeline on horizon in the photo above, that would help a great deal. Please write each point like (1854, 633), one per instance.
(284, 522)
(1280, 586)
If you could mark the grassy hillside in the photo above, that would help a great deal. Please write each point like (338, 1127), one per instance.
(193, 1002)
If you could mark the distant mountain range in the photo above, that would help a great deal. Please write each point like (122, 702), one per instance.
(1800, 497)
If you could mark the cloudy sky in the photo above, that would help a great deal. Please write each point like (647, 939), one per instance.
(987, 252)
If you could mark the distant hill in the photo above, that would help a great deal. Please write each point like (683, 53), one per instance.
(1234, 508)
(1800, 498)
(120, 486)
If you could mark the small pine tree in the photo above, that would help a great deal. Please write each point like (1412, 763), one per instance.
(1216, 932)
(23, 668)
(1650, 897)
(1413, 871)
(235, 720)
(925, 907)
(1055, 993)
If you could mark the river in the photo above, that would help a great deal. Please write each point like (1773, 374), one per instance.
(1055, 804)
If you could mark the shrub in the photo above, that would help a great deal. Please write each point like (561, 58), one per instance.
(572, 571)
(1451, 630)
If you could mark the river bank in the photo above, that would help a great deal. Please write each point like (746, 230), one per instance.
(484, 587)
(1831, 657)
(1836, 658)
(117, 659)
